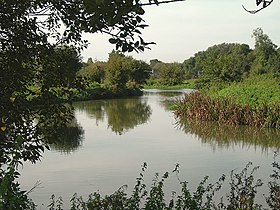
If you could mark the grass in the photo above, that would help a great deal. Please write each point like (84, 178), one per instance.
(254, 101)
(255, 91)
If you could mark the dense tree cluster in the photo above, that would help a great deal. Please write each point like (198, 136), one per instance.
(166, 73)
(226, 62)
(119, 73)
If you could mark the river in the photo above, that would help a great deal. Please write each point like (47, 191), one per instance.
(111, 139)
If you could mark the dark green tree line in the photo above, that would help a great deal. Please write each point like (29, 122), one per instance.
(231, 62)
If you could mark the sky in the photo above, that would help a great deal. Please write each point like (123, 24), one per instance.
(181, 29)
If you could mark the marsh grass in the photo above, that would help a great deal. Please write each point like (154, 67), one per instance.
(225, 110)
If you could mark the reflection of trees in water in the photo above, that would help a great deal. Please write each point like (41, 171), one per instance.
(122, 114)
(25, 133)
(67, 138)
(218, 135)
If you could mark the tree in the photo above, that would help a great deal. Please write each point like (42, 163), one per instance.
(124, 72)
(224, 62)
(170, 73)
(94, 71)
(265, 54)
(190, 68)
(139, 73)
(89, 61)
(33, 68)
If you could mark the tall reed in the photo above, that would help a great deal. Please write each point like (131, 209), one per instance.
(199, 106)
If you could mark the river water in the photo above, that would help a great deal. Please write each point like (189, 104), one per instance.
(111, 139)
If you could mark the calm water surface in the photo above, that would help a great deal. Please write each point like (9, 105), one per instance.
(111, 139)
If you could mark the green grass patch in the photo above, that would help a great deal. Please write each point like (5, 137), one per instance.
(257, 91)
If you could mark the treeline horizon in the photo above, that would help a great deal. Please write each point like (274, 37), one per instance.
(225, 62)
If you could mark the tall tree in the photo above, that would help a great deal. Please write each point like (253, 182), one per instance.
(223, 62)
(265, 53)
(124, 72)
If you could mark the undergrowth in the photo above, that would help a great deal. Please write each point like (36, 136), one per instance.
(243, 188)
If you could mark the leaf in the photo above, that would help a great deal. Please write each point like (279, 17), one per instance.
(112, 41)
(3, 128)
(258, 2)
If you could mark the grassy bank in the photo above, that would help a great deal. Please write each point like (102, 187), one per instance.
(255, 91)
(254, 102)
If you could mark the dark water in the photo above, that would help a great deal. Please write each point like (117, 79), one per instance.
(110, 139)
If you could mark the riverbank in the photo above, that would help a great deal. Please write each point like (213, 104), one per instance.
(254, 101)
(96, 91)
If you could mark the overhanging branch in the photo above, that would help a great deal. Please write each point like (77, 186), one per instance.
(155, 2)
(258, 2)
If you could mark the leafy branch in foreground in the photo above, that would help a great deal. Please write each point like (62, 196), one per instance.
(241, 194)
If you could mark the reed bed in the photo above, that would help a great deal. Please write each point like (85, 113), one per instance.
(225, 110)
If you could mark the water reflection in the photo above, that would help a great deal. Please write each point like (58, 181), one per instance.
(67, 139)
(168, 97)
(121, 114)
(225, 136)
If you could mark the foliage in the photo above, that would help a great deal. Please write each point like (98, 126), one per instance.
(241, 194)
(167, 73)
(273, 200)
(239, 85)
(120, 76)
(262, 4)
(266, 57)
(220, 63)
(229, 62)
(255, 91)
(38, 60)
(153, 84)
(124, 72)
(38, 64)
(94, 71)
(191, 67)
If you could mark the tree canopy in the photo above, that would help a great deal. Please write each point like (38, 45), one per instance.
(40, 45)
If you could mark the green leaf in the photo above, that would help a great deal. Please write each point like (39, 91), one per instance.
(112, 41)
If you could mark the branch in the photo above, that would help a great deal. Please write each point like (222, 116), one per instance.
(265, 4)
(155, 2)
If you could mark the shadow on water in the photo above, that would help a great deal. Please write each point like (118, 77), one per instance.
(121, 114)
(225, 136)
(68, 139)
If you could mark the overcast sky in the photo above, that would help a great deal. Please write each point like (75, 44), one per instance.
(181, 29)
